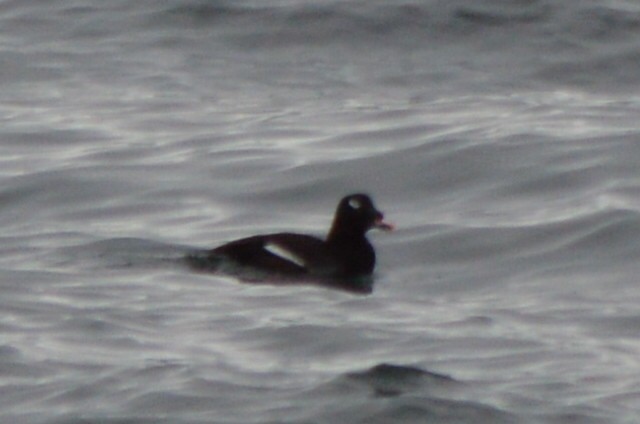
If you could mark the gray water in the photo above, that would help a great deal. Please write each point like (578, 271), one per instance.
(501, 137)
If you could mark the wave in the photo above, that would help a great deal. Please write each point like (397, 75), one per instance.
(380, 18)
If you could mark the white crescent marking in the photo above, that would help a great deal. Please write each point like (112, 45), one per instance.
(355, 203)
(284, 253)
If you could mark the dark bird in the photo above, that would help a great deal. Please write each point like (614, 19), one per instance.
(345, 253)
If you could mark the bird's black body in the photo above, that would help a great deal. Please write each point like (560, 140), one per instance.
(345, 252)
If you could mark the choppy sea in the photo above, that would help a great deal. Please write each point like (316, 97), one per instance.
(502, 137)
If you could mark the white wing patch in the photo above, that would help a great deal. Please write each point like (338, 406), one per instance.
(284, 253)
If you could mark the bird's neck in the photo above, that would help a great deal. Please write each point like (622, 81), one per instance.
(341, 232)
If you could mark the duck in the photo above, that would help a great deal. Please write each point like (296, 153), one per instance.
(345, 252)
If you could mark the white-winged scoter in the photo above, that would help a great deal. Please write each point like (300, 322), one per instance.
(345, 252)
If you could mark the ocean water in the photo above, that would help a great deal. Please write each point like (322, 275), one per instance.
(501, 137)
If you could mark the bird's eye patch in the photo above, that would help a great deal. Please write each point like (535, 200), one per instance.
(355, 203)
